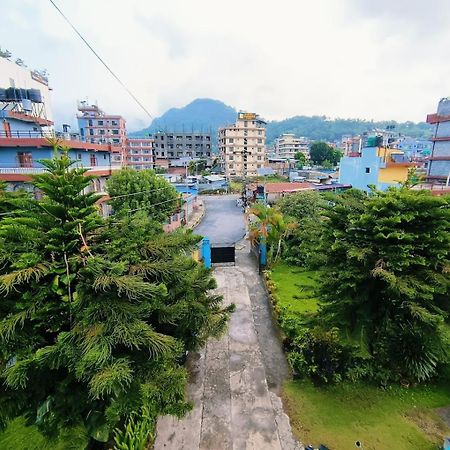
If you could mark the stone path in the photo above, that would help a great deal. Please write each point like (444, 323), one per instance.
(233, 406)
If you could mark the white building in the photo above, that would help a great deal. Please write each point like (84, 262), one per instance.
(287, 145)
(242, 146)
(24, 93)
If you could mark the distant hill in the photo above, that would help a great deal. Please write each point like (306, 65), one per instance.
(322, 128)
(205, 114)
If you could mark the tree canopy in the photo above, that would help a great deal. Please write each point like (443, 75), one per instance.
(96, 315)
(320, 152)
(142, 190)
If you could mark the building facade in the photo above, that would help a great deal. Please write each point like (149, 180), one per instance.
(140, 153)
(97, 127)
(25, 108)
(439, 161)
(379, 166)
(242, 146)
(182, 145)
(287, 145)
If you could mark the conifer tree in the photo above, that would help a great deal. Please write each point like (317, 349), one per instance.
(95, 315)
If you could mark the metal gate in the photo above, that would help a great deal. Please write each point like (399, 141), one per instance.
(223, 254)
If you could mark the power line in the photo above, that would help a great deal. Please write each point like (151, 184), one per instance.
(101, 59)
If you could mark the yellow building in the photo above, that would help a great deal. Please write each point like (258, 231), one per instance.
(378, 166)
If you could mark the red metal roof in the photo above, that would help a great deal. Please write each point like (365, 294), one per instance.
(435, 118)
(273, 188)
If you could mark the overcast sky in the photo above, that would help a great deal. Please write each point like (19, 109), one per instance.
(384, 59)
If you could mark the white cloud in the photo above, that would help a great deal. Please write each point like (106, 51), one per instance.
(352, 58)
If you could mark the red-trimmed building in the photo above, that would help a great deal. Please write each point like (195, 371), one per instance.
(439, 161)
(100, 128)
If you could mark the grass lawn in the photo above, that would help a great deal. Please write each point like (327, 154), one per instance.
(295, 288)
(18, 436)
(337, 416)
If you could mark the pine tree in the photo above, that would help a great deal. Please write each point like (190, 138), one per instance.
(95, 316)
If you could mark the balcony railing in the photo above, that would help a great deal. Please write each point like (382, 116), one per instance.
(22, 134)
(37, 170)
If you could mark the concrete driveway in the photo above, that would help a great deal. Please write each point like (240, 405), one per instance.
(235, 380)
(223, 222)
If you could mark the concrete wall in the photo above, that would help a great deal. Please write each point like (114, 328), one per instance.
(352, 170)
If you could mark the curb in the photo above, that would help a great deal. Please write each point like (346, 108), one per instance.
(199, 219)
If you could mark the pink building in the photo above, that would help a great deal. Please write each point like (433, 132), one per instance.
(140, 153)
(97, 127)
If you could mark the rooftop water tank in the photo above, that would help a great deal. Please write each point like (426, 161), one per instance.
(35, 95)
(444, 107)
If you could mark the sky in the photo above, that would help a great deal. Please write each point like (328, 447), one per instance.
(384, 59)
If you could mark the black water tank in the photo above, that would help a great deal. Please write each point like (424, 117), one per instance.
(35, 95)
(11, 94)
(23, 94)
(2, 95)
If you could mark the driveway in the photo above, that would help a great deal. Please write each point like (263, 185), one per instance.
(235, 380)
(223, 222)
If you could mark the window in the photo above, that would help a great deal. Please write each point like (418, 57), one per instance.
(260, 133)
(115, 131)
(101, 131)
(25, 159)
(162, 153)
(90, 122)
(91, 132)
(231, 157)
(162, 145)
(245, 124)
(259, 141)
(259, 158)
(367, 169)
(230, 140)
(114, 122)
(230, 166)
(79, 156)
(100, 123)
(92, 160)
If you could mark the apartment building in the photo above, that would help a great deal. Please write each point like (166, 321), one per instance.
(242, 146)
(140, 153)
(439, 161)
(287, 145)
(97, 127)
(182, 145)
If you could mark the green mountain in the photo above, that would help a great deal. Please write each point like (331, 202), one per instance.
(208, 115)
(203, 114)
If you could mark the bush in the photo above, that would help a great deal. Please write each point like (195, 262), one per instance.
(319, 354)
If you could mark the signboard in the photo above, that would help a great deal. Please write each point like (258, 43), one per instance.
(247, 116)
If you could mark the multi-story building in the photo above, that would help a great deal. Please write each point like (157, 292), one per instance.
(182, 145)
(24, 101)
(27, 139)
(242, 146)
(140, 153)
(351, 144)
(439, 161)
(97, 127)
(379, 166)
(287, 145)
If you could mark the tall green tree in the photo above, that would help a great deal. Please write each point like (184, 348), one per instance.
(300, 159)
(135, 190)
(321, 152)
(304, 211)
(96, 316)
(386, 278)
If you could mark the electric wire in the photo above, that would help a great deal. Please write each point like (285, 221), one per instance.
(101, 59)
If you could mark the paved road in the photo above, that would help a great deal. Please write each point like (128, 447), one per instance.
(234, 380)
(223, 222)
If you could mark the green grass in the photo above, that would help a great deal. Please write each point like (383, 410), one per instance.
(295, 288)
(18, 436)
(337, 416)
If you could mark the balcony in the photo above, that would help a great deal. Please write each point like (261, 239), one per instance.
(43, 139)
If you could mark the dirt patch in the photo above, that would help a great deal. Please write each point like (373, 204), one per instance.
(444, 413)
(431, 423)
